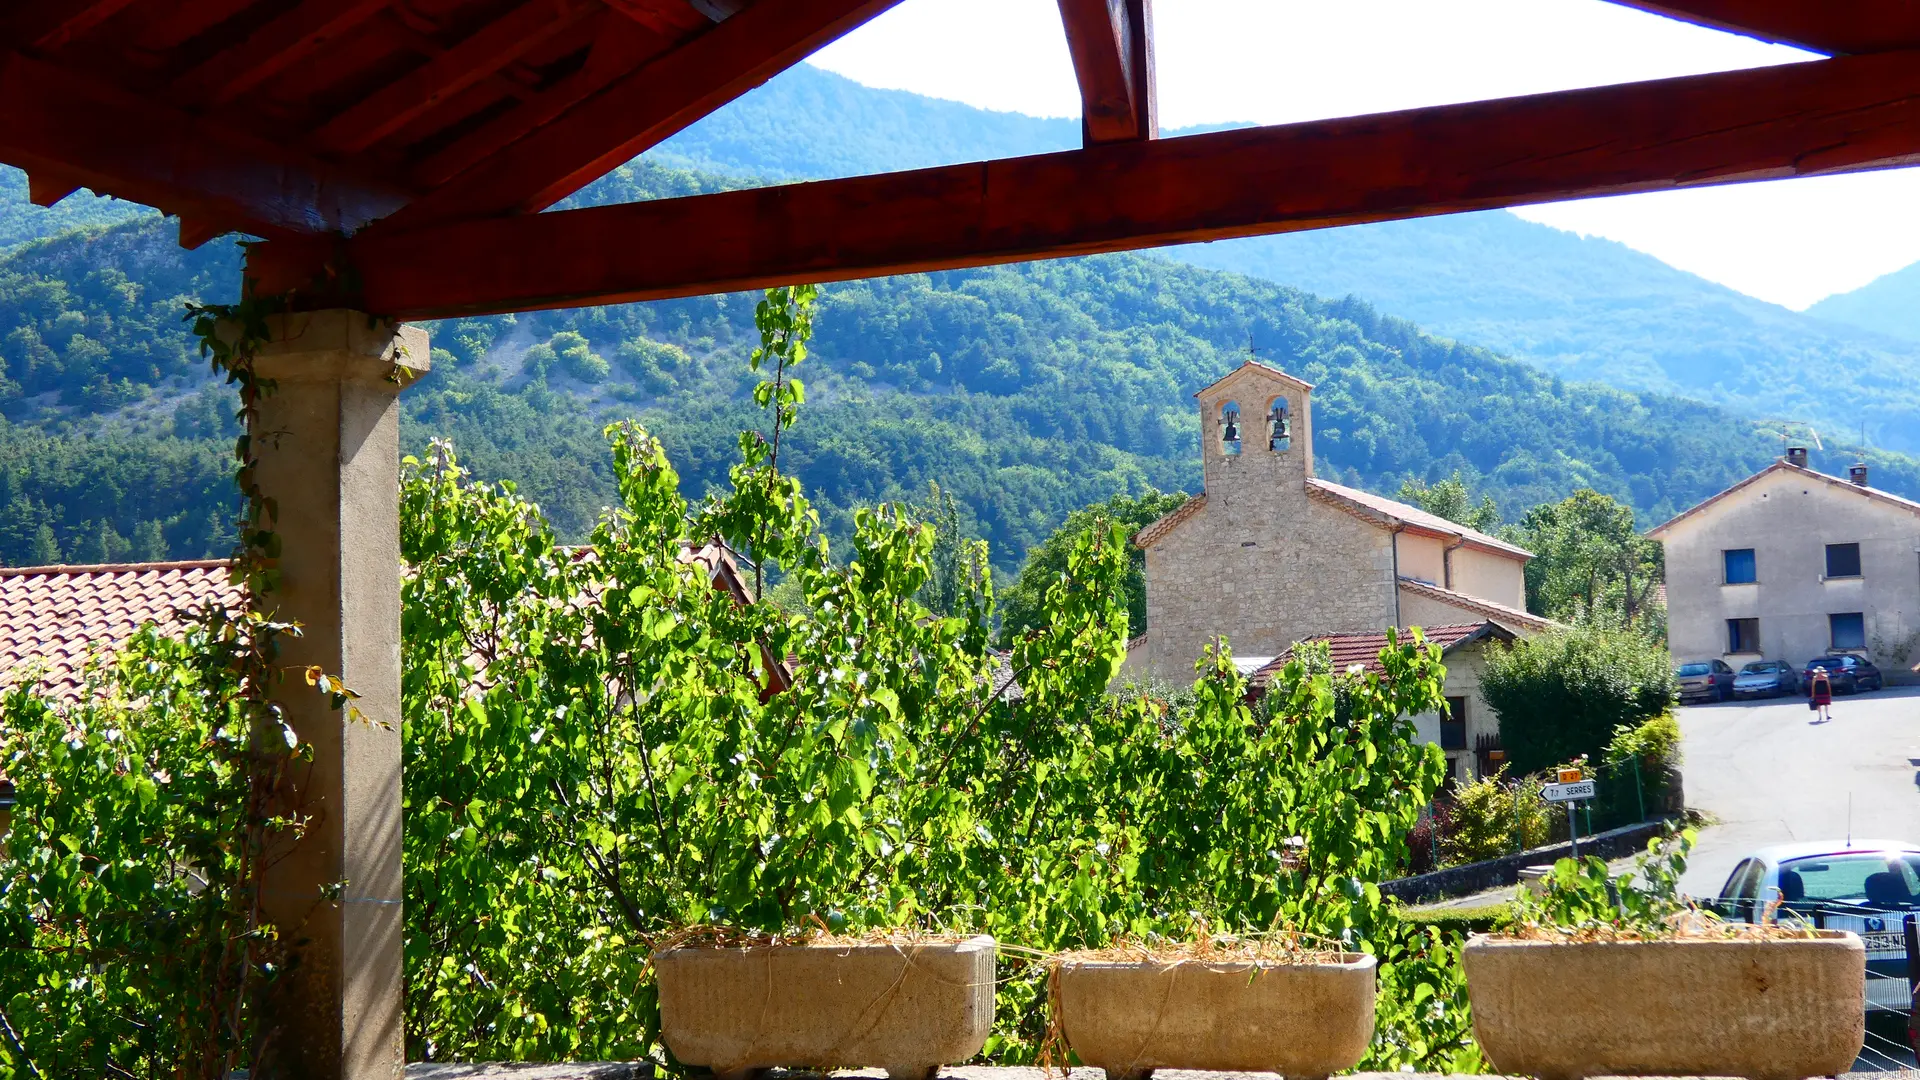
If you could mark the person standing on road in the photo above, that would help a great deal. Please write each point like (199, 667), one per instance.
(1820, 695)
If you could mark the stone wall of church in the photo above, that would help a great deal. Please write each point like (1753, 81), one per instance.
(1265, 574)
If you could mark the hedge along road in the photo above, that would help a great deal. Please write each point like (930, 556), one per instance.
(1772, 776)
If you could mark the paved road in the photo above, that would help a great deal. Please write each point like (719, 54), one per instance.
(1772, 776)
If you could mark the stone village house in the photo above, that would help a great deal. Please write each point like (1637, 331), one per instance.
(1269, 555)
(1790, 564)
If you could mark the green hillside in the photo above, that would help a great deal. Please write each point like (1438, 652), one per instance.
(1026, 391)
(1889, 304)
(21, 221)
(1581, 308)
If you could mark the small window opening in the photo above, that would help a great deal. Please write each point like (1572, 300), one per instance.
(1843, 560)
(1849, 630)
(1740, 566)
(1743, 635)
(1453, 725)
(1230, 428)
(1279, 427)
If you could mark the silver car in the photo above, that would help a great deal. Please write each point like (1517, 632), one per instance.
(1866, 886)
(1704, 680)
(1766, 678)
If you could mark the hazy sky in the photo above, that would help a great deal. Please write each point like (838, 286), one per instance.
(1278, 61)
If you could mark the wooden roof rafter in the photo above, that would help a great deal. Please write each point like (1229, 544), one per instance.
(1111, 42)
(639, 110)
(1834, 27)
(1792, 120)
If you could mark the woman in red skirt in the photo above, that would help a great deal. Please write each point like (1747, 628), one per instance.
(1820, 695)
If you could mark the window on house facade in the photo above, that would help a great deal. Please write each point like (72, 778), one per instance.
(1849, 630)
(1230, 428)
(1743, 635)
(1740, 566)
(1843, 560)
(1453, 725)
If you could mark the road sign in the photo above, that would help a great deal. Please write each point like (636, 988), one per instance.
(1568, 792)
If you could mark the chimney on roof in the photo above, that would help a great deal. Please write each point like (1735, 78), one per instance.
(1797, 455)
(1857, 473)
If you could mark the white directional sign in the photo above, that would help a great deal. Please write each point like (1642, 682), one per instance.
(1568, 792)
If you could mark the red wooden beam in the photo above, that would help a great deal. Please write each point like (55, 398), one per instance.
(641, 109)
(1112, 46)
(48, 25)
(272, 49)
(1799, 119)
(1827, 26)
(481, 55)
(129, 145)
(616, 50)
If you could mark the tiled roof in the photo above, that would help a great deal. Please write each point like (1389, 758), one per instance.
(1268, 368)
(1511, 618)
(53, 617)
(1886, 497)
(1364, 648)
(1395, 512)
(1151, 535)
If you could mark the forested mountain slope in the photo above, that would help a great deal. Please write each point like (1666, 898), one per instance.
(1027, 391)
(1581, 308)
(1889, 304)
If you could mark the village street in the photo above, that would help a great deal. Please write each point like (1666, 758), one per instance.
(1771, 776)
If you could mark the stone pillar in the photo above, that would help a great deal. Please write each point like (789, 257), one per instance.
(329, 451)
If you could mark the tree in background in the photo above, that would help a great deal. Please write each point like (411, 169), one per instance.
(1021, 606)
(960, 574)
(1590, 561)
(1563, 694)
(1450, 499)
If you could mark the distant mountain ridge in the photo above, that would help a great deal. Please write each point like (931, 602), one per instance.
(1581, 308)
(1889, 304)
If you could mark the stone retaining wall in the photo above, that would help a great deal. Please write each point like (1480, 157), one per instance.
(1493, 873)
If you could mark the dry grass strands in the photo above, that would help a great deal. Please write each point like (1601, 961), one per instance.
(1689, 925)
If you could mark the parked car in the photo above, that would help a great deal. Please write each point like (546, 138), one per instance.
(1866, 886)
(1704, 680)
(1766, 678)
(1848, 674)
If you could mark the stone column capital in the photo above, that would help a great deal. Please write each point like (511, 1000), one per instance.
(339, 345)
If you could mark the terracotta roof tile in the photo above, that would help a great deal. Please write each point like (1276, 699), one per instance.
(1363, 648)
(1511, 618)
(54, 618)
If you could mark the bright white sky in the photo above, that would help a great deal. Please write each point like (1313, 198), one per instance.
(1277, 61)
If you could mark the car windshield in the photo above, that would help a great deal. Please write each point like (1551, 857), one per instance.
(1831, 663)
(1869, 879)
(1693, 669)
(1765, 667)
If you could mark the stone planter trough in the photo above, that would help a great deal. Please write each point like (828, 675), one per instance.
(908, 1007)
(1296, 1019)
(1763, 1009)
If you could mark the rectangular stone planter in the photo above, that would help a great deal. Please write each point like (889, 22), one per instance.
(907, 1007)
(1299, 1020)
(1768, 1010)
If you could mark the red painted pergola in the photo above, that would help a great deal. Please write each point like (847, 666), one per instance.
(395, 156)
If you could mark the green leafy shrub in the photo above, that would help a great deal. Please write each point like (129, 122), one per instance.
(1561, 695)
(130, 892)
(654, 363)
(1494, 816)
(577, 358)
(1584, 897)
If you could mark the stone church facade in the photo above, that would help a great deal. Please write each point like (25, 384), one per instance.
(1269, 554)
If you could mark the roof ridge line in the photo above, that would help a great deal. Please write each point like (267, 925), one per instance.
(55, 569)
